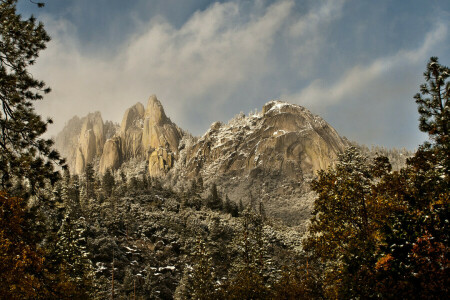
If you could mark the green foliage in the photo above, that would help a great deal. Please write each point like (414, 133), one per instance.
(24, 154)
(433, 102)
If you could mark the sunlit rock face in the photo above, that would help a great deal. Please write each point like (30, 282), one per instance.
(112, 155)
(145, 134)
(283, 139)
(131, 132)
(160, 162)
(90, 142)
(159, 131)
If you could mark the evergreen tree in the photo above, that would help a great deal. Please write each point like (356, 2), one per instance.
(213, 201)
(71, 248)
(24, 153)
(413, 259)
(249, 276)
(201, 279)
(108, 182)
(433, 102)
(347, 222)
(434, 110)
(89, 174)
(241, 206)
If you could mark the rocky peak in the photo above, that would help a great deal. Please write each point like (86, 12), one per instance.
(155, 112)
(144, 134)
(283, 139)
(132, 116)
(159, 131)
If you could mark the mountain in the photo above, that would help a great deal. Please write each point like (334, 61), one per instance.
(267, 158)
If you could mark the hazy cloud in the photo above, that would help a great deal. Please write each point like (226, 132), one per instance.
(198, 65)
(235, 56)
(376, 86)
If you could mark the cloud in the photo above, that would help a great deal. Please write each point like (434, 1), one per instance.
(197, 65)
(367, 94)
(235, 56)
(359, 78)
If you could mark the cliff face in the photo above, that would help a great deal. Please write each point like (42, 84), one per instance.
(269, 157)
(145, 134)
(67, 140)
(283, 139)
(91, 141)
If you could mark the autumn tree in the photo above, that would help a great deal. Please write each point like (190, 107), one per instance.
(344, 230)
(24, 153)
(20, 260)
(414, 256)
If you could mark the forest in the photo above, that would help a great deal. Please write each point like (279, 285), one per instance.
(376, 232)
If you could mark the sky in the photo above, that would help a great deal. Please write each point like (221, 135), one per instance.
(356, 63)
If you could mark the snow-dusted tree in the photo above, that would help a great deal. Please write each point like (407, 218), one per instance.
(24, 153)
(345, 227)
(249, 276)
(108, 182)
(214, 201)
(71, 248)
(201, 283)
(89, 177)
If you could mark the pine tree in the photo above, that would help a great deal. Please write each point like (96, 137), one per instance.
(347, 221)
(434, 110)
(248, 278)
(413, 259)
(73, 252)
(433, 102)
(108, 182)
(213, 201)
(24, 153)
(201, 283)
(90, 181)
(241, 206)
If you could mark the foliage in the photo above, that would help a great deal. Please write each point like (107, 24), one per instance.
(24, 153)
(386, 234)
(20, 260)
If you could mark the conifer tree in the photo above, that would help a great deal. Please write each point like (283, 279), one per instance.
(248, 278)
(434, 110)
(201, 284)
(90, 181)
(24, 153)
(108, 182)
(214, 202)
(347, 221)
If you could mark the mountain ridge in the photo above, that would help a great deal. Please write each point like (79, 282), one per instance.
(269, 156)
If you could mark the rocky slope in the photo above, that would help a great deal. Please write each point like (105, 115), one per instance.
(283, 139)
(268, 157)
